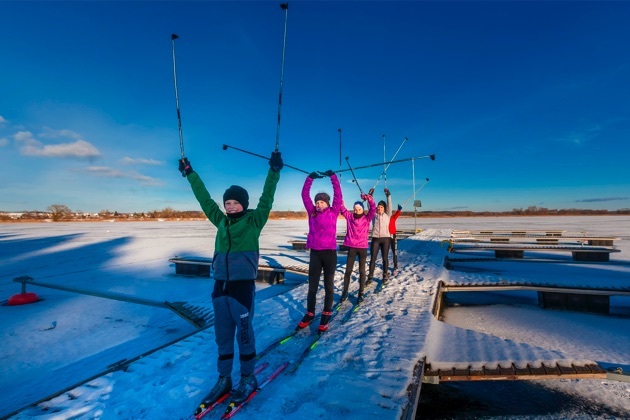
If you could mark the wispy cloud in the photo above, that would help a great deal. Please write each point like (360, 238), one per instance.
(4, 141)
(600, 200)
(80, 149)
(52, 133)
(3, 120)
(107, 172)
(582, 137)
(141, 161)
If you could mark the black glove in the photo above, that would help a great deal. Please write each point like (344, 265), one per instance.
(386, 192)
(371, 192)
(184, 167)
(275, 162)
(314, 175)
(329, 172)
(399, 207)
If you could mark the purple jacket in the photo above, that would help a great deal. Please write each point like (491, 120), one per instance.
(358, 228)
(322, 226)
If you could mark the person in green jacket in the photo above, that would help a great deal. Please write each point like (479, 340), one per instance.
(235, 266)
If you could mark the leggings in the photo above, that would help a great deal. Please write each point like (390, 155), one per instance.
(393, 248)
(352, 255)
(321, 260)
(381, 244)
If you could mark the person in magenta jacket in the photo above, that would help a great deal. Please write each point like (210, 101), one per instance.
(357, 232)
(322, 243)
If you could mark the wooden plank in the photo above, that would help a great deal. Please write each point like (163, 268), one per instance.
(551, 370)
(513, 373)
(521, 371)
(567, 370)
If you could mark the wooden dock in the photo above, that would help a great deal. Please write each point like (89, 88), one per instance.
(511, 373)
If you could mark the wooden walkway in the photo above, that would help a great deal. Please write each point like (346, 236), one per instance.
(435, 376)
(578, 252)
(271, 273)
(513, 244)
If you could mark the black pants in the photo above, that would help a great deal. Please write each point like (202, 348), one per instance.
(352, 256)
(381, 244)
(321, 260)
(393, 248)
(233, 304)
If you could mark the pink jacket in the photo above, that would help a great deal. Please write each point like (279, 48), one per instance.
(322, 226)
(357, 230)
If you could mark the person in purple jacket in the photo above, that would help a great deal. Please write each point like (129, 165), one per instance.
(358, 226)
(322, 242)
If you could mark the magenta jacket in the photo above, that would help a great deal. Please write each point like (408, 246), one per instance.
(358, 228)
(322, 226)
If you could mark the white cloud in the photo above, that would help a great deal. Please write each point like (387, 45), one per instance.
(24, 136)
(3, 120)
(79, 149)
(51, 133)
(135, 161)
(4, 141)
(107, 172)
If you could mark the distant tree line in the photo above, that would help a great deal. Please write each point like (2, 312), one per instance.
(61, 212)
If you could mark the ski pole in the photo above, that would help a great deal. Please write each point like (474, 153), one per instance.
(353, 176)
(432, 157)
(285, 7)
(415, 192)
(226, 146)
(339, 150)
(179, 117)
(385, 170)
(384, 160)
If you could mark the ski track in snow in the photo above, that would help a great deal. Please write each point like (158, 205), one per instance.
(385, 328)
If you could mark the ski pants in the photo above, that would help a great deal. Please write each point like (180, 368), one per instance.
(321, 260)
(233, 304)
(353, 253)
(393, 244)
(381, 244)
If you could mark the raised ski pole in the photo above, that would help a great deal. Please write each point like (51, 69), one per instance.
(226, 146)
(285, 7)
(339, 151)
(354, 178)
(384, 173)
(384, 161)
(416, 192)
(432, 157)
(179, 117)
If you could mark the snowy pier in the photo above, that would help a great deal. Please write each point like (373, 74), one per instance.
(114, 358)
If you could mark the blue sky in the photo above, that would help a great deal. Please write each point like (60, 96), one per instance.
(523, 103)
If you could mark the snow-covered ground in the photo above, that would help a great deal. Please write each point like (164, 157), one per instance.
(360, 369)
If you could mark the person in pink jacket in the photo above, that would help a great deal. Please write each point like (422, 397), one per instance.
(357, 232)
(322, 243)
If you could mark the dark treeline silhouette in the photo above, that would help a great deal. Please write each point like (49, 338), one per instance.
(60, 212)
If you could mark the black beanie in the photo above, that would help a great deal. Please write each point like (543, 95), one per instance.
(237, 193)
(322, 196)
(382, 203)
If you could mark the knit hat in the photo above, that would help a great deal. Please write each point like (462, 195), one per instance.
(358, 203)
(237, 193)
(322, 196)
(382, 203)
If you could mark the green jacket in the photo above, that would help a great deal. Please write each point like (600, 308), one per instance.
(236, 248)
